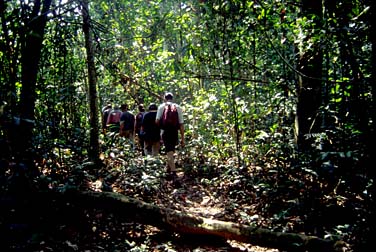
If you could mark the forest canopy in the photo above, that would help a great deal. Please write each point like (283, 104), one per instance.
(278, 101)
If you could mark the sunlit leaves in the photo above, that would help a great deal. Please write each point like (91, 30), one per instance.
(104, 6)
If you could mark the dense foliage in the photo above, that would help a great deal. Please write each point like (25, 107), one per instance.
(277, 97)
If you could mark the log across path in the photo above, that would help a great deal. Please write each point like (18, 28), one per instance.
(177, 221)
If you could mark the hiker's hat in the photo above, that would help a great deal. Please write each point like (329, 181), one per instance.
(168, 95)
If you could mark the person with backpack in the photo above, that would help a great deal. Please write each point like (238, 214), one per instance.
(151, 131)
(170, 119)
(105, 112)
(127, 121)
(113, 119)
(137, 127)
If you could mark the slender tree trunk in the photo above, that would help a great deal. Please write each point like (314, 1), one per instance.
(31, 53)
(93, 95)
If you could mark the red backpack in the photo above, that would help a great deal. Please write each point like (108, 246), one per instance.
(170, 117)
(114, 117)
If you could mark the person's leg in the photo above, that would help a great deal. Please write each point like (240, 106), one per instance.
(141, 143)
(171, 162)
(147, 148)
(155, 148)
(131, 138)
(170, 140)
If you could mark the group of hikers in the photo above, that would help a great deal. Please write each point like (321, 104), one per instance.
(158, 124)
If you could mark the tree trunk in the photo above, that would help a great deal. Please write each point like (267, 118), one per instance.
(309, 89)
(31, 52)
(172, 220)
(93, 95)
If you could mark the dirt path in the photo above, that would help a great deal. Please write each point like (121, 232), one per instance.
(198, 195)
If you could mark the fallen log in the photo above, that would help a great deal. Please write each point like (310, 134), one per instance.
(184, 223)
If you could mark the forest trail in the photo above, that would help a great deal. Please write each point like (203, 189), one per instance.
(200, 193)
(219, 192)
